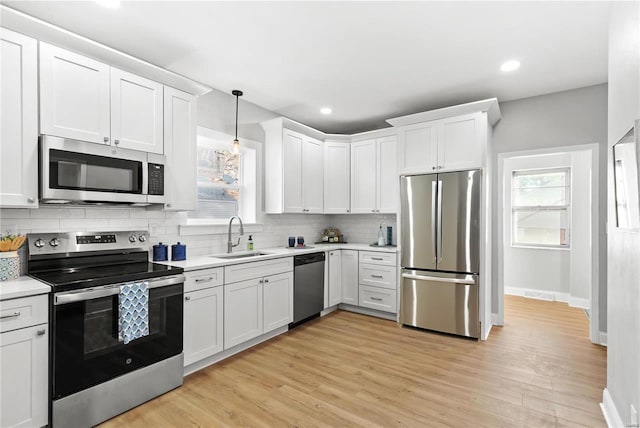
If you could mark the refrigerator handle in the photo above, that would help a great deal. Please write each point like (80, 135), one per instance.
(434, 222)
(438, 279)
(439, 233)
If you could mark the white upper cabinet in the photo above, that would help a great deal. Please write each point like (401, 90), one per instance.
(293, 170)
(337, 177)
(87, 100)
(180, 148)
(374, 180)
(19, 119)
(74, 96)
(419, 147)
(363, 176)
(136, 112)
(388, 184)
(460, 142)
(312, 175)
(454, 143)
(292, 153)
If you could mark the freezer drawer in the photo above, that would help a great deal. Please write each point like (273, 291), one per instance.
(442, 302)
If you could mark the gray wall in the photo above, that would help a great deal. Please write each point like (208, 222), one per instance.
(566, 118)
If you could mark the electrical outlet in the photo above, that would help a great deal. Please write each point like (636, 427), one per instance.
(633, 416)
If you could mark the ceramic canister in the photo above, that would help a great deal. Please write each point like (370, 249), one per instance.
(9, 265)
(178, 252)
(160, 252)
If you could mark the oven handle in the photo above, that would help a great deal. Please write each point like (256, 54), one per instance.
(110, 290)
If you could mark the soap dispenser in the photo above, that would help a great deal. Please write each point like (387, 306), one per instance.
(250, 243)
(380, 237)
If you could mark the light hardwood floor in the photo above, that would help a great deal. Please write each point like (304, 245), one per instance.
(539, 370)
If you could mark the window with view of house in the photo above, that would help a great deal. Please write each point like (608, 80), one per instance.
(226, 182)
(540, 204)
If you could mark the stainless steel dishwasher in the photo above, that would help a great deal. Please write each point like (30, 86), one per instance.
(308, 287)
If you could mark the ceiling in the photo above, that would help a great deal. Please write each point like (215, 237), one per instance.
(368, 61)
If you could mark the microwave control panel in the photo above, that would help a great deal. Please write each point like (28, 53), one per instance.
(156, 179)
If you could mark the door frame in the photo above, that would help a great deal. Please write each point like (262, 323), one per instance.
(596, 247)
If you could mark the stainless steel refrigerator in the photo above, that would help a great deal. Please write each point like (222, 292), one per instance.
(440, 216)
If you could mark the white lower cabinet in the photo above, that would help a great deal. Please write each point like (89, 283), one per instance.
(377, 279)
(203, 323)
(242, 311)
(24, 365)
(349, 276)
(335, 277)
(257, 303)
(277, 298)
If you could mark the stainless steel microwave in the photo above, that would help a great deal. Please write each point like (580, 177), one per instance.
(79, 172)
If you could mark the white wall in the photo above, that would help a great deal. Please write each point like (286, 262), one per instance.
(565, 118)
(552, 273)
(623, 336)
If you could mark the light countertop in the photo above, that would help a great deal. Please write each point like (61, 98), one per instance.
(22, 287)
(205, 262)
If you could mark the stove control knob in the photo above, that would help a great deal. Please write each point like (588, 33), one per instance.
(142, 238)
(39, 243)
(54, 242)
(132, 238)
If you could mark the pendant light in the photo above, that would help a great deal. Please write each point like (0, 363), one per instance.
(236, 143)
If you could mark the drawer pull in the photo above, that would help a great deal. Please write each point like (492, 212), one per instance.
(377, 299)
(13, 315)
(204, 279)
(377, 258)
(377, 276)
(41, 332)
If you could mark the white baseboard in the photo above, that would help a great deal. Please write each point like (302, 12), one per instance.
(608, 407)
(551, 296)
(579, 302)
(602, 338)
(495, 319)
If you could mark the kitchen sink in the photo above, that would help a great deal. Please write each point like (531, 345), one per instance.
(239, 255)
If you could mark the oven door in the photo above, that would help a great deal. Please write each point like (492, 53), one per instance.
(76, 171)
(86, 349)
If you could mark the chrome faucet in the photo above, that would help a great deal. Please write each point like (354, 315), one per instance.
(230, 243)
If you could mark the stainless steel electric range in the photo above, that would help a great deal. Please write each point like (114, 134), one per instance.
(94, 375)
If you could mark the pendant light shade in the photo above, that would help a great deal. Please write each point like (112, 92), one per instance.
(236, 142)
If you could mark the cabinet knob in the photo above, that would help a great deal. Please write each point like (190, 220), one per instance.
(187, 297)
(439, 166)
(116, 141)
(168, 205)
(261, 281)
(266, 280)
(348, 211)
(41, 332)
(105, 139)
(31, 200)
(433, 167)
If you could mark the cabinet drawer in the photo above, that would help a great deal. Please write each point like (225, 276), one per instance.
(244, 271)
(201, 279)
(378, 258)
(381, 299)
(24, 312)
(377, 275)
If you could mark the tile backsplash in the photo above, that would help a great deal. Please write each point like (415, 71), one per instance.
(164, 226)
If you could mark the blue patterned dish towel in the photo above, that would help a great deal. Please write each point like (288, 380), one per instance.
(133, 321)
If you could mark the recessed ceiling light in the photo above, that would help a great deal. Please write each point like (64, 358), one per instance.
(510, 65)
(111, 4)
(326, 110)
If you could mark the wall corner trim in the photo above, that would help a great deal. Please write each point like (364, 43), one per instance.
(611, 415)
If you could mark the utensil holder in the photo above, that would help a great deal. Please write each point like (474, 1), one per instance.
(9, 265)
